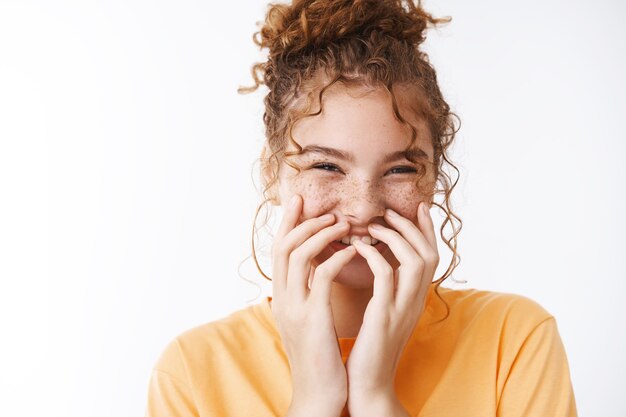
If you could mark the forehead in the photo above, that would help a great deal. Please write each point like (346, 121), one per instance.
(362, 121)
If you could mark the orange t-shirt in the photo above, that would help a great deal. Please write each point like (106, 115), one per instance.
(496, 354)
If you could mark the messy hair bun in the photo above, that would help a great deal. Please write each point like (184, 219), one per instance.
(291, 29)
(314, 44)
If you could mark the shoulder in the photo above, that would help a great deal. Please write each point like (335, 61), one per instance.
(474, 301)
(491, 310)
(201, 346)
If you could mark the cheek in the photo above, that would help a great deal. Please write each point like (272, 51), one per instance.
(319, 195)
(404, 200)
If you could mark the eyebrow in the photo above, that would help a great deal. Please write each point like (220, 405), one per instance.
(412, 154)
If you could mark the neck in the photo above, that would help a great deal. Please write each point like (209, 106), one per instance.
(348, 305)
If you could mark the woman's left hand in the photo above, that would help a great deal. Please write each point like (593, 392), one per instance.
(393, 311)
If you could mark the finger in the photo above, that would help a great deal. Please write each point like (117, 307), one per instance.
(402, 250)
(412, 265)
(428, 229)
(290, 235)
(304, 231)
(300, 258)
(282, 249)
(285, 243)
(279, 258)
(290, 217)
(327, 271)
(427, 225)
(383, 272)
(418, 238)
(412, 234)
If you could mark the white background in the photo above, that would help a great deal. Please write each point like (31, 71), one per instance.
(126, 165)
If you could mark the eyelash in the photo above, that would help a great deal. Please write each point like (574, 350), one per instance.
(327, 167)
(405, 170)
(335, 168)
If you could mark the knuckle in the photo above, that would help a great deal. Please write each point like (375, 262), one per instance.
(412, 292)
(386, 271)
(416, 263)
(321, 271)
(297, 256)
(431, 258)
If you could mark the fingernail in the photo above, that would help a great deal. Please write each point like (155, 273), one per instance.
(326, 217)
(376, 226)
(425, 208)
(293, 201)
(392, 213)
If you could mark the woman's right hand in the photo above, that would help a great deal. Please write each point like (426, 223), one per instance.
(303, 315)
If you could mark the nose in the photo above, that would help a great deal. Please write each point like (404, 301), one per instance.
(362, 203)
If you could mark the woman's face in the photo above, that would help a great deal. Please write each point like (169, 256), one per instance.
(354, 166)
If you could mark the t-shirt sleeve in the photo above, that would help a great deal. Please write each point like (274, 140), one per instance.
(539, 383)
(168, 392)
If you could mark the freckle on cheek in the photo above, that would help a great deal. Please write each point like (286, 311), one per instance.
(405, 201)
(317, 196)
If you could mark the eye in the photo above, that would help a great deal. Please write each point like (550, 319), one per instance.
(402, 170)
(327, 167)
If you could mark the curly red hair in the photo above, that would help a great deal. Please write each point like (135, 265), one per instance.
(316, 44)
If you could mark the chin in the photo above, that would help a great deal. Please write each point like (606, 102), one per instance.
(357, 274)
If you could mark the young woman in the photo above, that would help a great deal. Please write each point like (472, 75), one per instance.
(357, 132)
